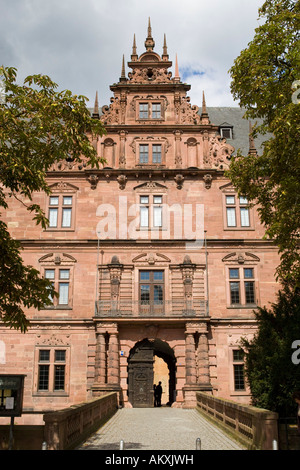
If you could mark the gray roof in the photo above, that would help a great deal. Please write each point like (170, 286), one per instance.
(240, 127)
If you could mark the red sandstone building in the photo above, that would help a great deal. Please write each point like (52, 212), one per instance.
(157, 261)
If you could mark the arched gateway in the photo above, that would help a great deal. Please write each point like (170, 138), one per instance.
(141, 363)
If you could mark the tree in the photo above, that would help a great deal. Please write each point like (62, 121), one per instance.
(38, 126)
(271, 363)
(265, 78)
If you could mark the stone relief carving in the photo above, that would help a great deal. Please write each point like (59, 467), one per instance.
(207, 181)
(219, 153)
(111, 114)
(93, 180)
(188, 113)
(122, 179)
(149, 138)
(57, 259)
(179, 179)
(241, 258)
(153, 74)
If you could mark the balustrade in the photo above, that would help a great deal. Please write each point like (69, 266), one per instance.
(170, 308)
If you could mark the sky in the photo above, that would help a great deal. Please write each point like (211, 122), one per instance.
(80, 44)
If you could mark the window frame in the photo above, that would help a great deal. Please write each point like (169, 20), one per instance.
(151, 154)
(241, 280)
(237, 206)
(238, 364)
(150, 104)
(52, 366)
(58, 282)
(61, 207)
(151, 207)
(152, 283)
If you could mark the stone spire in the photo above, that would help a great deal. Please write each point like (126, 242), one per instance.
(123, 76)
(149, 43)
(165, 55)
(96, 107)
(176, 77)
(134, 55)
(252, 149)
(204, 114)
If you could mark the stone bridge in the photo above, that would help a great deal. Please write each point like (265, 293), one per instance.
(215, 424)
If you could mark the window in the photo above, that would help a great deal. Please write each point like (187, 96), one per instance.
(249, 286)
(238, 369)
(156, 153)
(157, 211)
(150, 154)
(242, 286)
(61, 281)
(237, 212)
(151, 210)
(156, 110)
(144, 211)
(149, 110)
(144, 153)
(61, 212)
(226, 132)
(151, 287)
(234, 286)
(51, 374)
(143, 110)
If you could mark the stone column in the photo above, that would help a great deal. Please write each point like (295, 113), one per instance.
(190, 359)
(100, 362)
(122, 158)
(178, 158)
(203, 361)
(113, 363)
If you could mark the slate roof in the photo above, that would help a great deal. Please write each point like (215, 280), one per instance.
(233, 116)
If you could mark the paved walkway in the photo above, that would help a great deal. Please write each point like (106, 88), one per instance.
(159, 429)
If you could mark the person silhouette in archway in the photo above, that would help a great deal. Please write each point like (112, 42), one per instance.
(158, 393)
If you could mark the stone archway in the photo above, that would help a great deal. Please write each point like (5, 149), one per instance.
(141, 374)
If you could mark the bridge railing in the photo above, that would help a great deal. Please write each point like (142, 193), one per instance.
(253, 427)
(67, 428)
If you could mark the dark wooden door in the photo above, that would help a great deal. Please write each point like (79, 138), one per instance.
(140, 377)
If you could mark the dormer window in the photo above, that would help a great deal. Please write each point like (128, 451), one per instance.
(226, 131)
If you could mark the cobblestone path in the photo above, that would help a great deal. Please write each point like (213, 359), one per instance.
(159, 429)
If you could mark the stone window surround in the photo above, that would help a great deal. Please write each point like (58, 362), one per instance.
(232, 362)
(231, 192)
(149, 100)
(52, 348)
(151, 190)
(60, 190)
(56, 262)
(241, 280)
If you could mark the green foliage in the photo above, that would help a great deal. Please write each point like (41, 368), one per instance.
(38, 126)
(264, 78)
(271, 373)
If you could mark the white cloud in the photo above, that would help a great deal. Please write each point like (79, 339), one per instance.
(80, 44)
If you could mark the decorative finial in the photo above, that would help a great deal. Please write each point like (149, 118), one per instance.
(204, 114)
(149, 43)
(252, 149)
(123, 76)
(96, 107)
(134, 55)
(165, 55)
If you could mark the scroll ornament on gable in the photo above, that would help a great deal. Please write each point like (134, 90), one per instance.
(219, 154)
